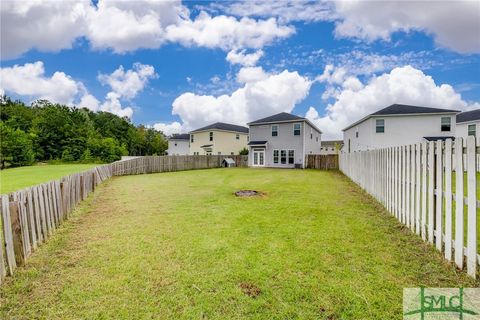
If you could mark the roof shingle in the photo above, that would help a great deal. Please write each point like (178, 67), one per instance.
(223, 126)
(408, 109)
(468, 116)
(283, 116)
(183, 136)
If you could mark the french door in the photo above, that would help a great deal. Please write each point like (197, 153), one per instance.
(259, 157)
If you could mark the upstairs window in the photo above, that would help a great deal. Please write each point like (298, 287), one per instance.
(237, 136)
(296, 129)
(356, 134)
(379, 126)
(191, 138)
(446, 124)
(274, 130)
(211, 136)
(472, 130)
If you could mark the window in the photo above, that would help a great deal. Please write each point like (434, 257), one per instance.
(291, 156)
(296, 129)
(175, 144)
(274, 130)
(283, 156)
(356, 134)
(317, 139)
(237, 136)
(196, 153)
(275, 156)
(232, 153)
(311, 134)
(191, 138)
(472, 130)
(219, 153)
(211, 136)
(446, 124)
(379, 126)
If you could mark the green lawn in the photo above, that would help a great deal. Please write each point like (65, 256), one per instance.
(23, 177)
(180, 245)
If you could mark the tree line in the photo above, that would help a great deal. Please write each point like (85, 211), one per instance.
(46, 131)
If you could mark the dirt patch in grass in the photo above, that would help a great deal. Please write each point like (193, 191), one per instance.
(250, 289)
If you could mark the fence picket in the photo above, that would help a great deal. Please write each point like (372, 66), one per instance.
(459, 203)
(448, 199)
(439, 197)
(471, 208)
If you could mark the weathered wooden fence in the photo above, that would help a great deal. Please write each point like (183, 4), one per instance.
(30, 216)
(322, 161)
(431, 188)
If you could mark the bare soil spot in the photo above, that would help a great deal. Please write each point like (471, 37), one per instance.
(250, 289)
(247, 193)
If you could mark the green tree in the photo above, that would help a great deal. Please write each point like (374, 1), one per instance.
(16, 147)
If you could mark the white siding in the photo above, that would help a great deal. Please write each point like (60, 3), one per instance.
(178, 147)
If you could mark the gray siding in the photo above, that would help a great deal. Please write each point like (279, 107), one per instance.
(284, 141)
(312, 146)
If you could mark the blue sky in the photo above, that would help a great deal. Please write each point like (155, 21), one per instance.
(333, 62)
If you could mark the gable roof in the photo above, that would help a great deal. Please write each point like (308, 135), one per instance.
(468, 116)
(279, 117)
(395, 109)
(283, 117)
(403, 109)
(223, 126)
(183, 136)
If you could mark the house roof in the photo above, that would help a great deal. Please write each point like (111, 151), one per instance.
(468, 116)
(283, 117)
(223, 126)
(403, 109)
(439, 138)
(183, 136)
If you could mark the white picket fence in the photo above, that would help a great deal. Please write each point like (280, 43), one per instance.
(419, 185)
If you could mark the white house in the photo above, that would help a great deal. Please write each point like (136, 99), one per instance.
(179, 145)
(468, 124)
(399, 125)
(331, 147)
(282, 140)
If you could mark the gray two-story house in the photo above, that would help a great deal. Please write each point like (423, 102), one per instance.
(282, 140)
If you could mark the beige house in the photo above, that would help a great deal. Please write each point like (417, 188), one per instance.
(218, 138)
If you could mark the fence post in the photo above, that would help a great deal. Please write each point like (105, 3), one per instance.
(17, 237)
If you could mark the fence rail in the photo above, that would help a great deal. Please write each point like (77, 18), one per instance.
(30, 216)
(431, 188)
(322, 161)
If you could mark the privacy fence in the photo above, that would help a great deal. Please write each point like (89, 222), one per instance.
(322, 161)
(431, 188)
(30, 216)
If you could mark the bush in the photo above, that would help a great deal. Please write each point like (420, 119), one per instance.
(243, 152)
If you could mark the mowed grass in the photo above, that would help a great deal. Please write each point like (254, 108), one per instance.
(180, 245)
(22, 177)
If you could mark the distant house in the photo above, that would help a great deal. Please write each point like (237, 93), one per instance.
(468, 124)
(282, 140)
(331, 147)
(218, 138)
(398, 125)
(179, 144)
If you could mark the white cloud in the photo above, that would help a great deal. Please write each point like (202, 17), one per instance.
(273, 94)
(125, 26)
(226, 32)
(284, 11)
(169, 128)
(404, 85)
(454, 24)
(30, 80)
(244, 59)
(43, 25)
(128, 83)
(251, 74)
(112, 104)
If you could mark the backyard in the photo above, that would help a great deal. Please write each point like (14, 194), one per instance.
(181, 245)
(22, 177)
